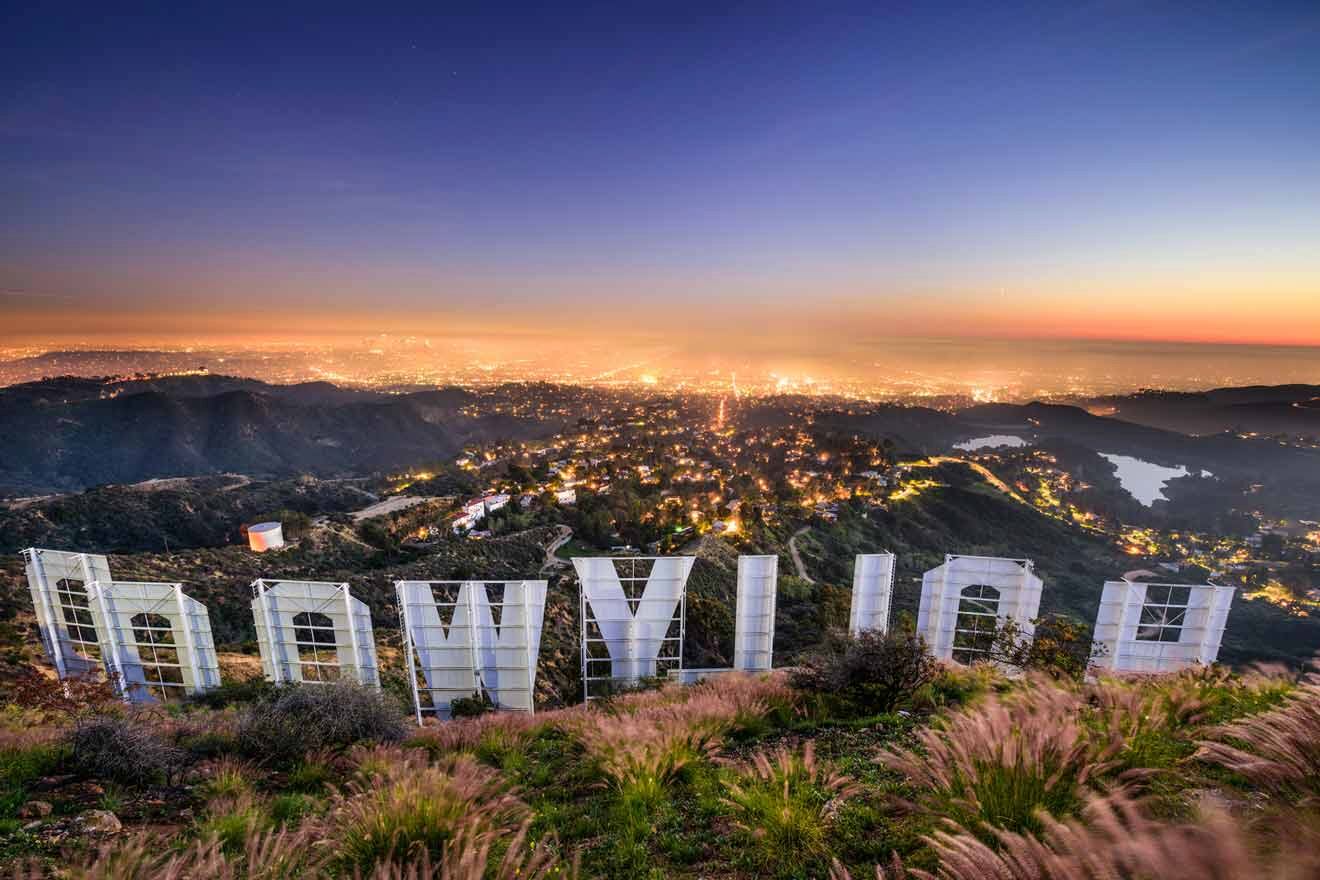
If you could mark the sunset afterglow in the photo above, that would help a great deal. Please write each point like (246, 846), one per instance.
(1003, 172)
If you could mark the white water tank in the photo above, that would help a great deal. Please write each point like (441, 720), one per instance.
(265, 536)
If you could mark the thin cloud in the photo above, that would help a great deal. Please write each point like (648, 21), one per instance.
(34, 294)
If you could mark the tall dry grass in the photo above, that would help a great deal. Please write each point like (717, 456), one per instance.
(1114, 838)
(279, 855)
(1158, 719)
(643, 741)
(642, 754)
(386, 763)
(499, 730)
(412, 809)
(1002, 762)
(300, 855)
(1151, 720)
(468, 857)
(753, 697)
(21, 730)
(1278, 750)
(783, 800)
(406, 820)
(228, 777)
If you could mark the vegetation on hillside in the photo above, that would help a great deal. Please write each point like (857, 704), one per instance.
(961, 514)
(961, 773)
(178, 514)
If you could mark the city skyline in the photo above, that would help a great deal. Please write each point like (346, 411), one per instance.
(1109, 171)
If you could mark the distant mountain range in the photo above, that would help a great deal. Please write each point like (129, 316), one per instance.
(1221, 454)
(67, 434)
(1261, 409)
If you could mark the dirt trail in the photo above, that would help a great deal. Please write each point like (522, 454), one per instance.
(551, 560)
(797, 557)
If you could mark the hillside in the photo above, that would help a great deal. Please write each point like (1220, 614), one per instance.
(904, 768)
(964, 515)
(959, 514)
(178, 513)
(1259, 409)
(1247, 473)
(61, 437)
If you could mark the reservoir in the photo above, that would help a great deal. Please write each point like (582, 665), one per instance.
(1144, 480)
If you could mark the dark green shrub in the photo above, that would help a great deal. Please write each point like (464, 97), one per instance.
(470, 707)
(870, 673)
(207, 744)
(123, 750)
(1060, 647)
(296, 719)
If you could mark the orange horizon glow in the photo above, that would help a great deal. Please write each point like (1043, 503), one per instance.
(1270, 319)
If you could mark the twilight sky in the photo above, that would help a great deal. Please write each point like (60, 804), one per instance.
(1116, 170)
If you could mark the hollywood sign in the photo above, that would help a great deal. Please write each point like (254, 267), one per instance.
(475, 638)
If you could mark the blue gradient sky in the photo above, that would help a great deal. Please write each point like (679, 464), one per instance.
(1100, 169)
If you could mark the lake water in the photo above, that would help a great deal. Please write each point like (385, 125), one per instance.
(990, 442)
(1144, 480)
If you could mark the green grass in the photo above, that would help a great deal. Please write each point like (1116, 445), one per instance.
(290, 808)
(229, 781)
(231, 823)
(19, 768)
(1012, 797)
(113, 799)
(688, 825)
(309, 776)
(782, 828)
(16, 844)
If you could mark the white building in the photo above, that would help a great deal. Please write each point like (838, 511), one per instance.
(966, 600)
(1149, 627)
(493, 503)
(566, 496)
(474, 513)
(265, 536)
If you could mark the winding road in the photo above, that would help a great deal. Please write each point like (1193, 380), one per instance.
(551, 560)
(797, 558)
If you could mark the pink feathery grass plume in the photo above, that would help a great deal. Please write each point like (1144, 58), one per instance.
(786, 801)
(1003, 761)
(1114, 838)
(1277, 750)
(468, 734)
(414, 808)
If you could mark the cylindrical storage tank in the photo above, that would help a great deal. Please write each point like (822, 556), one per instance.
(265, 536)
